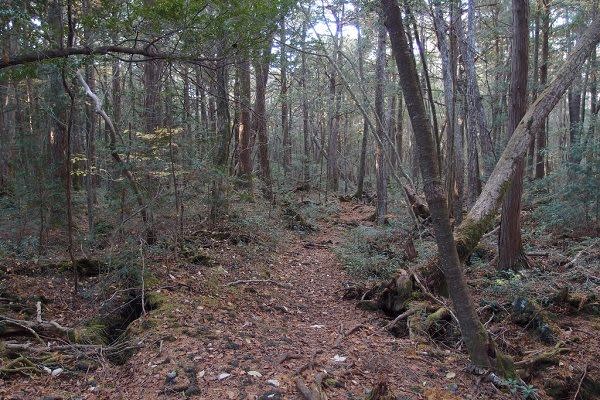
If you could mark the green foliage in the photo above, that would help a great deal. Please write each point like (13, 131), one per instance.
(371, 252)
(517, 386)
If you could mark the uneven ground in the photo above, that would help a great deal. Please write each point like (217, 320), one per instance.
(250, 340)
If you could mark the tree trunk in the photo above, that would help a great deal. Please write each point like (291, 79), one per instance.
(454, 149)
(540, 131)
(285, 125)
(305, 114)
(510, 247)
(260, 119)
(535, 84)
(474, 98)
(380, 167)
(244, 130)
(360, 185)
(476, 339)
(335, 105)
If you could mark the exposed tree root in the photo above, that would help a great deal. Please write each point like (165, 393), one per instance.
(315, 392)
(381, 391)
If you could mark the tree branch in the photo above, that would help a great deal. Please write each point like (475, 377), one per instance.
(148, 52)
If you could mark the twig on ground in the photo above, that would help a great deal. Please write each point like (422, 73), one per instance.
(400, 317)
(580, 382)
(579, 254)
(348, 333)
(250, 281)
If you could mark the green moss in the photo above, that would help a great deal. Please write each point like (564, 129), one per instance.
(94, 332)
(470, 233)
(504, 366)
(155, 300)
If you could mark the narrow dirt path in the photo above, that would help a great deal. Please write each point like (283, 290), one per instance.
(261, 337)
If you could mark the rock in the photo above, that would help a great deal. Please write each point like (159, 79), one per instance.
(171, 377)
(528, 313)
(450, 375)
(223, 375)
(273, 382)
(453, 388)
(192, 390)
(271, 395)
(255, 374)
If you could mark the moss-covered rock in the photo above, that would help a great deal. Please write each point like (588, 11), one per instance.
(528, 313)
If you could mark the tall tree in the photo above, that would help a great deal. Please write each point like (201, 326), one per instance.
(285, 125)
(380, 167)
(335, 99)
(540, 131)
(244, 128)
(476, 339)
(510, 247)
(261, 69)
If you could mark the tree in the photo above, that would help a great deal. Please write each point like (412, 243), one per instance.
(510, 247)
(244, 132)
(285, 125)
(476, 339)
(380, 167)
(540, 131)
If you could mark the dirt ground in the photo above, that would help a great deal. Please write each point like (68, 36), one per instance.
(248, 326)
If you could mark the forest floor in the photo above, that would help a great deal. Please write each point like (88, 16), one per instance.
(250, 320)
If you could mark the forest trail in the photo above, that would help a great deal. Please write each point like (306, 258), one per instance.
(267, 335)
(215, 337)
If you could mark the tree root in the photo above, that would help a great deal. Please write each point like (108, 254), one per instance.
(315, 392)
(536, 362)
(13, 367)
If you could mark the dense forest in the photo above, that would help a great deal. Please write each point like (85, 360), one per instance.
(297, 199)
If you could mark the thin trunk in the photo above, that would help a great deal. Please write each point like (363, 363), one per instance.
(285, 125)
(360, 185)
(335, 105)
(475, 101)
(244, 131)
(260, 119)
(540, 131)
(305, 114)
(380, 167)
(476, 339)
(535, 84)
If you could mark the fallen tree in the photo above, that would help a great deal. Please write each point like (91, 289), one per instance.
(481, 216)
(483, 213)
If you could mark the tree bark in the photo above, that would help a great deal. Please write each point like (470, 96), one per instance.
(510, 246)
(475, 100)
(380, 167)
(335, 105)
(540, 131)
(476, 339)
(360, 185)
(261, 68)
(245, 151)
(305, 114)
(285, 124)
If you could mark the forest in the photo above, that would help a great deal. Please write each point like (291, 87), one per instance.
(299, 199)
